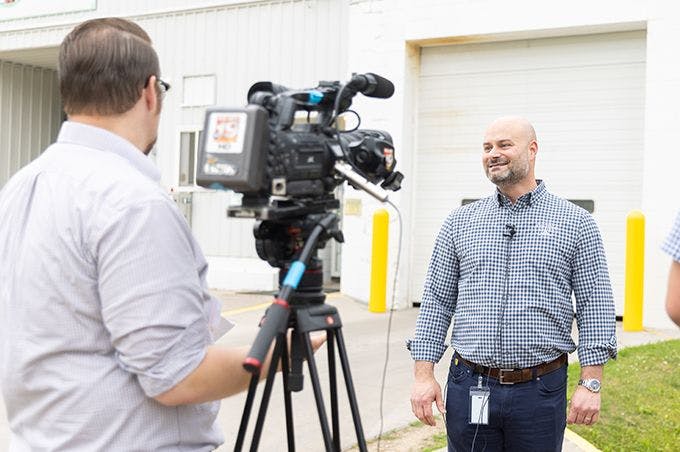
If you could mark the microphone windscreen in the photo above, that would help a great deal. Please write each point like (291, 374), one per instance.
(383, 88)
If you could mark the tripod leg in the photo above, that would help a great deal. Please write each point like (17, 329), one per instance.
(335, 418)
(276, 356)
(287, 400)
(246, 413)
(314, 377)
(342, 352)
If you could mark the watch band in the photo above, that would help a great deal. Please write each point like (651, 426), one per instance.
(591, 384)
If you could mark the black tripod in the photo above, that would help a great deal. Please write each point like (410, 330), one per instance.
(299, 306)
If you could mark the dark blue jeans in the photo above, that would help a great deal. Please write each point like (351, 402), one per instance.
(528, 416)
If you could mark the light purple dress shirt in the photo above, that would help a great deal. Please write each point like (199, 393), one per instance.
(103, 303)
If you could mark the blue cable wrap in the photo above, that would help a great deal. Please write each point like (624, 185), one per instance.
(294, 275)
(315, 97)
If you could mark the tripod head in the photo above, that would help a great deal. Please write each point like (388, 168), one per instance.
(279, 239)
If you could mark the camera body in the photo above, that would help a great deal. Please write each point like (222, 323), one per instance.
(285, 144)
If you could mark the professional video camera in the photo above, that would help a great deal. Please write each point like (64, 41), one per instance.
(286, 153)
(263, 150)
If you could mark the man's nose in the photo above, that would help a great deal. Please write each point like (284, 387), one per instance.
(494, 152)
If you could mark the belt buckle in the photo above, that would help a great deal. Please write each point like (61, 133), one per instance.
(501, 373)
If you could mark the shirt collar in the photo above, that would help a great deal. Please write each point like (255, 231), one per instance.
(103, 140)
(527, 198)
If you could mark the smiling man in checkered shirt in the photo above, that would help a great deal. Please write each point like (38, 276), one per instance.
(503, 270)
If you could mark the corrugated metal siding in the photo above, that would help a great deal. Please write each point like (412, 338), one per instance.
(30, 114)
(105, 8)
(295, 43)
(292, 43)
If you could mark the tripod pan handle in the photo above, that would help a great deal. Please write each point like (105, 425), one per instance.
(275, 321)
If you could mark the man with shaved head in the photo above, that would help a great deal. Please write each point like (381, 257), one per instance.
(503, 271)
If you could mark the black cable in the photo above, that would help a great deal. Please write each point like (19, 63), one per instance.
(389, 322)
(358, 121)
(499, 335)
(336, 107)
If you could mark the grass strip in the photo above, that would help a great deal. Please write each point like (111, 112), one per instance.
(640, 400)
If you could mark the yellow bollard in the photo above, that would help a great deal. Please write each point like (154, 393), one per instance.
(376, 301)
(635, 265)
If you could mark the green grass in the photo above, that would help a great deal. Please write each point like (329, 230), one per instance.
(640, 400)
(437, 442)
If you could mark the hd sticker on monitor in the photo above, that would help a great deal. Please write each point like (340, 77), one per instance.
(226, 133)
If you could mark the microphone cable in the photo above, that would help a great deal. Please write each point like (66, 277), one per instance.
(509, 235)
(389, 320)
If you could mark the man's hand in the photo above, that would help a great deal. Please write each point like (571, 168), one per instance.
(584, 407)
(317, 340)
(424, 392)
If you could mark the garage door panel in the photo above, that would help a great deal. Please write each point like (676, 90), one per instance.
(584, 95)
(515, 55)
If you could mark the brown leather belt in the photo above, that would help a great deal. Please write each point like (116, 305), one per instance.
(512, 376)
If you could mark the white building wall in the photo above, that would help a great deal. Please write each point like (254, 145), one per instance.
(660, 202)
(397, 29)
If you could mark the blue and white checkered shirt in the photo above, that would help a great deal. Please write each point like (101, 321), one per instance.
(672, 243)
(506, 273)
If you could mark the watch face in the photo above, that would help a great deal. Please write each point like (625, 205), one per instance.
(594, 385)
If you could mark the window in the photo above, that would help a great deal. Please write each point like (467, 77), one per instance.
(199, 90)
(188, 156)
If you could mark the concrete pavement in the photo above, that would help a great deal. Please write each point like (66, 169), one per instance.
(365, 337)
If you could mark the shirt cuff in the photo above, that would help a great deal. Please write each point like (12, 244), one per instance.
(424, 350)
(182, 359)
(597, 355)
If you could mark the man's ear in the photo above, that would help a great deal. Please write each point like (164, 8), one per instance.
(150, 94)
(533, 149)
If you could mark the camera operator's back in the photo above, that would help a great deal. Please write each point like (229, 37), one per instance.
(90, 332)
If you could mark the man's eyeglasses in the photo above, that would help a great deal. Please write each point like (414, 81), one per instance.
(163, 85)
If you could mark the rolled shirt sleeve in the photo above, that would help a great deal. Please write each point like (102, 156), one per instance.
(595, 314)
(671, 245)
(151, 295)
(439, 298)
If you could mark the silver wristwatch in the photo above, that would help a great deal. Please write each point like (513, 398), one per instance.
(591, 384)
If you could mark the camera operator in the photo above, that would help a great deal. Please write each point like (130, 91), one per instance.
(504, 269)
(106, 323)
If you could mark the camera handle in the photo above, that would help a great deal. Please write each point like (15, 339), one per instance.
(303, 319)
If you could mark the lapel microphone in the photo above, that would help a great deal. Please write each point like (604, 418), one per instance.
(510, 231)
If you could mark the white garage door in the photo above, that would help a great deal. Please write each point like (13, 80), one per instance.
(585, 97)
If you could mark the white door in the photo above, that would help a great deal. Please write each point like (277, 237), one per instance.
(585, 97)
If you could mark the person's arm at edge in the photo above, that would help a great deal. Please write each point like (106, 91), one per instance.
(673, 293)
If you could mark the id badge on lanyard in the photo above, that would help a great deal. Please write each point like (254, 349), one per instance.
(479, 403)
